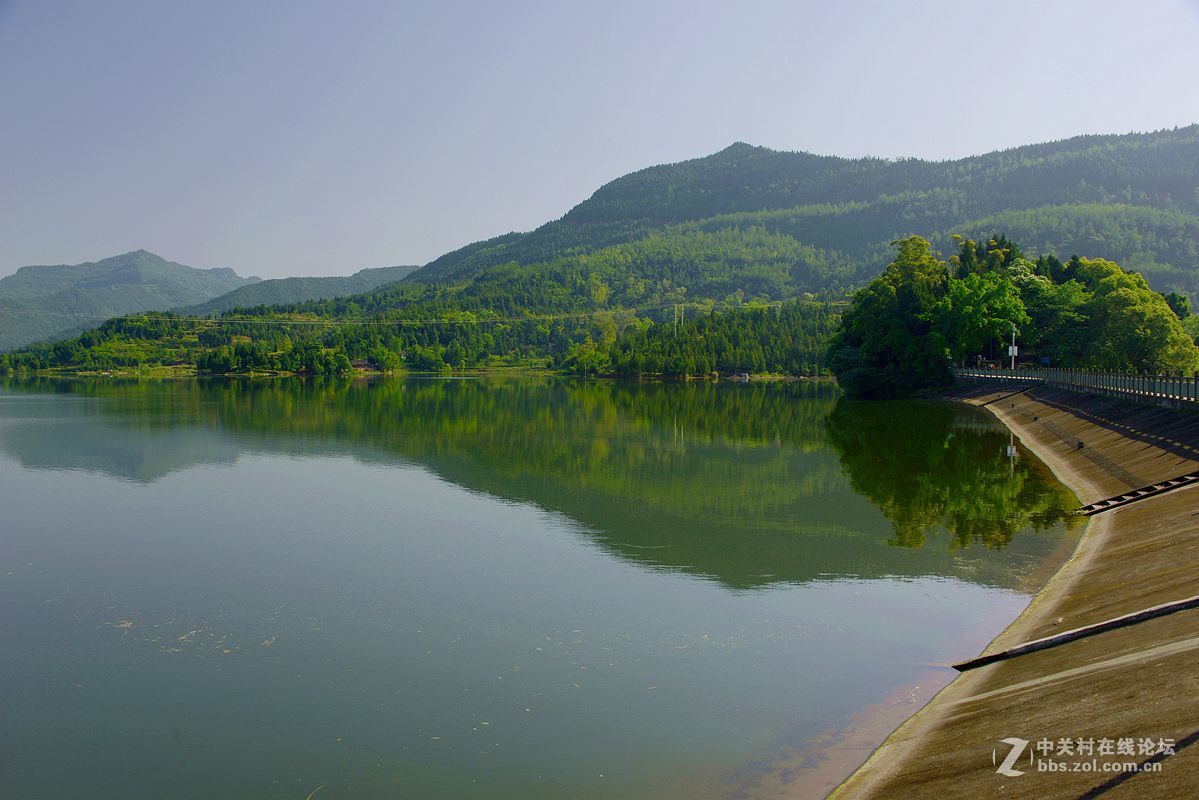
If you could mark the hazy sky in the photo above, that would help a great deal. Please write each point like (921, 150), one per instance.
(301, 138)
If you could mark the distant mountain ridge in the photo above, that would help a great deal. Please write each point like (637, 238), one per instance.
(40, 303)
(741, 230)
(850, 209)
(45, 303)
(278, 291)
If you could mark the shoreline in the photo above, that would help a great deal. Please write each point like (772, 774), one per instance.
(189, 372)
(829, 759)
(894, 749)
(978, 709)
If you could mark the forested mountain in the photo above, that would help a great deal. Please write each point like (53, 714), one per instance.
(1134, 198)
(47, 302)
(280, 291)
(743, 230)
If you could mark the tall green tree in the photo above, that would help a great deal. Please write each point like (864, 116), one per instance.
(887, 345)
(975, 310)
(1180, 304)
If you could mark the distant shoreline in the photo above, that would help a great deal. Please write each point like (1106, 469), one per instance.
(357, 374)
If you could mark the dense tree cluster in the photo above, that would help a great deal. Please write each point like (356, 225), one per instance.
(549, 313)
(907, 327)
(787, 339)
(1161, 244)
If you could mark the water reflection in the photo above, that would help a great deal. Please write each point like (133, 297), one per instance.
(528, 588)
(749, 485)
(934, 466)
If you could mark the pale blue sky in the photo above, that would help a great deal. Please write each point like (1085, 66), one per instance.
(299, 138)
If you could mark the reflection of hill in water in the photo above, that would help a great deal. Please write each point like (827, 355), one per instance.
(87, 438)
(743, 484)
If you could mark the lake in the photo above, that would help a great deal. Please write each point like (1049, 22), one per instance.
(461, 588)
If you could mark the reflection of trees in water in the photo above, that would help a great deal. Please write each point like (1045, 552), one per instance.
(733, 482)
(699, 449)
(926, 466)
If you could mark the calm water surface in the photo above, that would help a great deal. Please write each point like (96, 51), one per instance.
(471, 588)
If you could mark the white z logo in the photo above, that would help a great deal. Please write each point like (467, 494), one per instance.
(1018, 746)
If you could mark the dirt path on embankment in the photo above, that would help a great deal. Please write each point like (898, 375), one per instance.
(1138, 683)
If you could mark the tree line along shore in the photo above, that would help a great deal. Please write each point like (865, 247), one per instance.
(898, 335)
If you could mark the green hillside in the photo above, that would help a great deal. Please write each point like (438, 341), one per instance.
(849, 210)
(46, 302)
(280, 291)
(742, 230)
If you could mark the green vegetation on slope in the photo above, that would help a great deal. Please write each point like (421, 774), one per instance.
(1096, 194)
(908, 326)
(510, 315)
(787, 339)
(1161, 244)
(43, 303)
(744, 228)
(282, 291)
